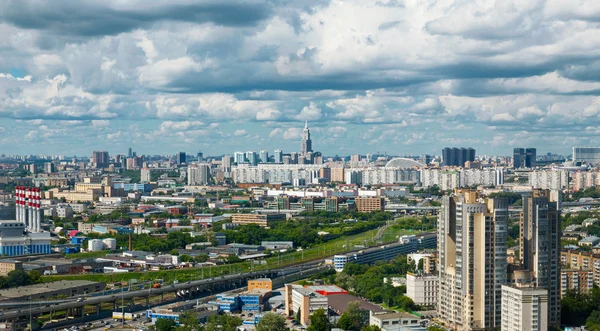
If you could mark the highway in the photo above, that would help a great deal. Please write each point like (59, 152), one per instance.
(194, 286)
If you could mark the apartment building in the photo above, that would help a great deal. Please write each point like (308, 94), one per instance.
(524, 308)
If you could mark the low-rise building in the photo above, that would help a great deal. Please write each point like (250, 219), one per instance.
(422, 288)
(303, 300)
(589, 241)
(261, 284)
(392, 321)
(7, 266)
(264, 220)
(369, 204)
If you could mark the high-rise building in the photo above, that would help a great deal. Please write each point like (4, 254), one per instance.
(539, 241)
(252, 158)
(48, 167)
(134, 163)
(306, 145)
(129, 152)
(518, 158)
(239, 157)
(472, 234)
(278, 156)
(226, 163)
(530, 158)
(145, 176)
(264, 156)
(100, 159)
(457, 156)
(524, 308)
(586, 154)
(181, 158)
(198, 174)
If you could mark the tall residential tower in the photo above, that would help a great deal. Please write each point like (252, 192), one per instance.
(540, 245)
(472, 234)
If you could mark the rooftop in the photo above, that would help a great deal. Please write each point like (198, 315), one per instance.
(22, 291)
(339, 302)
(590, 239)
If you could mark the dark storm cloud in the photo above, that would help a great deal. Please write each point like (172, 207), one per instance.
(85, 18)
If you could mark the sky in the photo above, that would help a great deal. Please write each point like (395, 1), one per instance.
(387, 76)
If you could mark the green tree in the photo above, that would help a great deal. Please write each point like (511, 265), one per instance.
(18, 278)
(200, 258)
(165, 324)
(405, 303)
(353, 319)
(319, 321)
(34, 276)
(435, 328)
(593, 322)
(222, 323)
(189, 321)
(370, 328)
(271, 322)
(184, 222)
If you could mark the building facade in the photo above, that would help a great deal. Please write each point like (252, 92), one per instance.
(540, 246)
(472, 234)
(524, 309)
(422, 288)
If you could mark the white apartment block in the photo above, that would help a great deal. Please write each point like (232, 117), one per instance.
(524, 309)
(198, 174)
(422, 289)
(549, 179)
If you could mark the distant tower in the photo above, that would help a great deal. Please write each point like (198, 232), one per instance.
(306, 142)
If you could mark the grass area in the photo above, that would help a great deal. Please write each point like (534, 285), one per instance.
(336, 246)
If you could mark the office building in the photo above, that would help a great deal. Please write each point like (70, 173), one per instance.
(100, 159)
(457, 156)
(239, 157)
(129, 152)
(369, 204)
(263, 220)
(590, 155)
(392, 321)
(524, 308)
(472, 234)
(264, 156)
(180, 158)
(306, 144)
(530, 158)
(278, 156)
(518, 158)
(303, 301)
(539, 241)
(422, 288)
(198, 174)
(252, 158)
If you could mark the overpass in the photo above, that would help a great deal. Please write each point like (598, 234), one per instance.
(394, 207)
(74, 307)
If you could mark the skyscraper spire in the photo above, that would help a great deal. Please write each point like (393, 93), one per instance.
(306, 145)
(306, 124)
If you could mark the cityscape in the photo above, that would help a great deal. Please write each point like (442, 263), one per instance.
(390, 165)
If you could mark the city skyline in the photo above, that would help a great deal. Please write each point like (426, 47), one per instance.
(408, 77)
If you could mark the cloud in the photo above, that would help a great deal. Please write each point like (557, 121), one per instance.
(238, 133)
(93, 18)
(292, 134)
(100, 123)
(310, 113)
(179, 126)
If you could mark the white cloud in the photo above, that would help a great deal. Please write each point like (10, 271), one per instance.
(292, 134)
(238, 133)
(100, 123)
(275, 132)
(310, 113)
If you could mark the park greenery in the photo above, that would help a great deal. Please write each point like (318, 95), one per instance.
(367, 282)
(581, 309)
(18, 278)
(189, 321)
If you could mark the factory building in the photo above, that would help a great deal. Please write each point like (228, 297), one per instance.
(24, 235)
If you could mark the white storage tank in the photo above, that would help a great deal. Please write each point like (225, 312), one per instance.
(110, 243)
(95, 245)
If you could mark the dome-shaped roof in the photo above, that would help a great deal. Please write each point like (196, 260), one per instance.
(403, 163)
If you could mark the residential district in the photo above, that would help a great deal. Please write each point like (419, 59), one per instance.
(299, 240)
